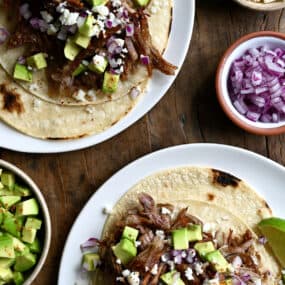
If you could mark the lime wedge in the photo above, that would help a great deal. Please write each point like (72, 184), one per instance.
(274, 230)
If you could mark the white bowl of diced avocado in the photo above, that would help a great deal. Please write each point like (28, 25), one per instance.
(25, 228)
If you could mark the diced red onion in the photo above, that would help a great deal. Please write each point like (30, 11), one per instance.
(90, 243)
(21, 60)
(4, 34)
(130, 29)
(262, 240)
(109, 24)
(145, 59)
(39, 24)
(256, 84)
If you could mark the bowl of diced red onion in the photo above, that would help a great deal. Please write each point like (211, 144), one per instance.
(250, 83)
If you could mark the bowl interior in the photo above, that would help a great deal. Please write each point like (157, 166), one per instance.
(44, 211)
(268, 41)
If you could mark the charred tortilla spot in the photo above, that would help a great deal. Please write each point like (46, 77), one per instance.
(211, 196)
(67, 138)
(12, 100)
(224, 179)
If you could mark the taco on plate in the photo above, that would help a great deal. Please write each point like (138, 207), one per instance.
(159, 234)
(78, 54)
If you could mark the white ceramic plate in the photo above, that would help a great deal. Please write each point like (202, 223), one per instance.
(264, 175)
(180, 36)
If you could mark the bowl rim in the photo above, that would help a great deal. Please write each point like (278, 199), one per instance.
(219, 92)
(261, 6)
(47, 220)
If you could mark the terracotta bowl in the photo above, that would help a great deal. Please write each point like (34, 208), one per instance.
(253, 40)
(45, 215)
(261, 6)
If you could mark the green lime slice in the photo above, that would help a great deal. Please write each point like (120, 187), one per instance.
(274, 230)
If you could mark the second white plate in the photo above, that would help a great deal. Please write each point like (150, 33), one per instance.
(264, 175)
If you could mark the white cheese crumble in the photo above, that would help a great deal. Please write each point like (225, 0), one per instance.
(68, 18)
(165, 211)
(138, 243)
(189, 273)
(118, 261)
(165, 257)
(154, 270)
(126, 272)
(79, 95)
(46, 16)
(101, 10)
(116, 3)
(134, 278)
(121, 279)
(257, 282)
(183, 254)
(198, 267)
(98, 60)
(209, 228)
(212, 282)
(254, 259)
(160, 234)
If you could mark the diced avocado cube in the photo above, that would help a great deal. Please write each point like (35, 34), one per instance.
(33, 223)
(90, 261)
(27, 208)
(6, 274)
(6, 192)
(110, 82)
(203, 248)
(25, 262)
(125, 250)
(29, 235)
(6, 262)
(12, 224)
(226, 282)
(6, 247)
(81, 40)
(71, 50)
(18, 278)
(87, 28)
(18, 245)
(35, 247)
(98, 64)
(168, 278)
(8, 179)
(21, 72)
(80, 69)
(180, 239)
(130, 233)
(37, 60)
(141, 2)
(98, 2)
(8, 201)
(218, 261)
(194, 233)
(21, 190)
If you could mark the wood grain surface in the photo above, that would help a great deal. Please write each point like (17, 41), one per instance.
(188, 113)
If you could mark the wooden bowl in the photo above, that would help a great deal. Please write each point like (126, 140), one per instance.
(253, 40)
(261, 6)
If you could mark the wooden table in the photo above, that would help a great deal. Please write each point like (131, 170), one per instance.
(188, 113)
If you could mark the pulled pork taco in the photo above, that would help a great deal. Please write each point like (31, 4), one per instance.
(75, 68)
(174, 228)
(84, 52)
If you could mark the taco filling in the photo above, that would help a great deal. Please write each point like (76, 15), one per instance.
(81, 46)
(160, 244)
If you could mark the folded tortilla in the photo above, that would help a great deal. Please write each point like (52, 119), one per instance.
(213, 196)
(159, 24)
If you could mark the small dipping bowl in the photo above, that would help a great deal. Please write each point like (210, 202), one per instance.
(269, 39)
(46, 239)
